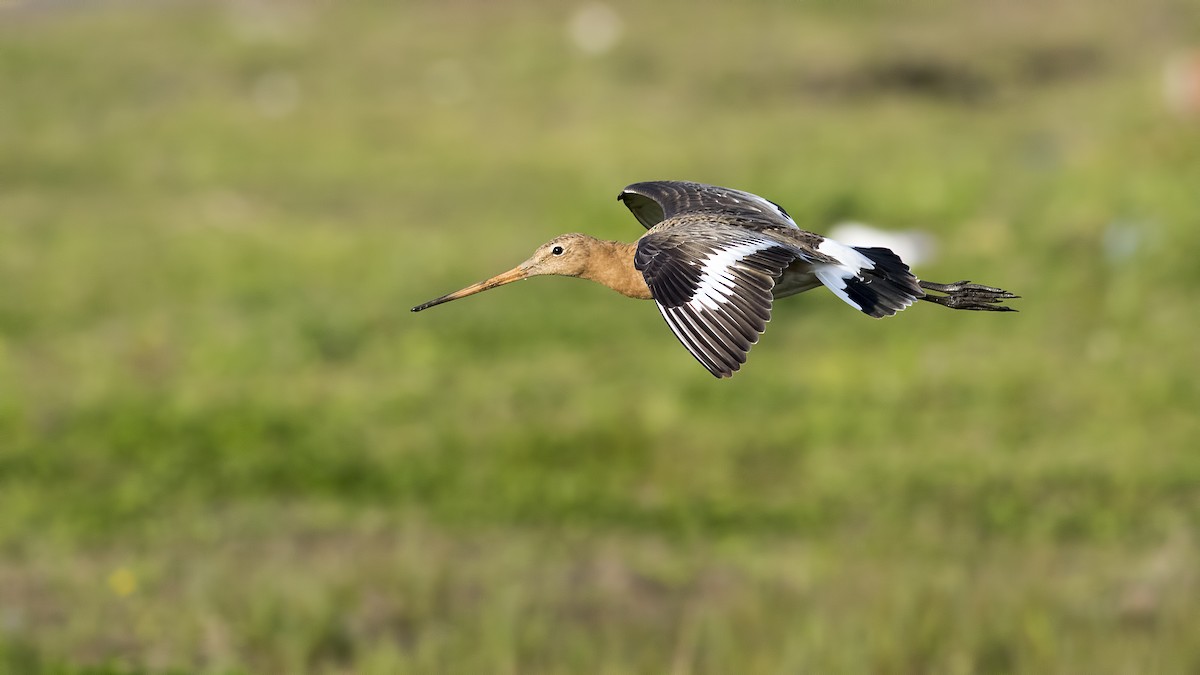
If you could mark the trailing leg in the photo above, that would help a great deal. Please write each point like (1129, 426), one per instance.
(966, 295)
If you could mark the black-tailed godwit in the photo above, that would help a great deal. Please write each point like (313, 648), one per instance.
(713, 259)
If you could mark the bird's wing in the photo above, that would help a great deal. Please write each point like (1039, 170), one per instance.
(712, 283)
(655, 201)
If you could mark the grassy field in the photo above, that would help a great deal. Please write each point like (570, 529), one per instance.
(226, 445)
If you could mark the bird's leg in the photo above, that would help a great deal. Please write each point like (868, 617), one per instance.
(966, 295)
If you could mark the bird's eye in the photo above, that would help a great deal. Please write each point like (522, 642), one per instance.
(557, 250)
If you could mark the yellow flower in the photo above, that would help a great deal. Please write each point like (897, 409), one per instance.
(122, 582)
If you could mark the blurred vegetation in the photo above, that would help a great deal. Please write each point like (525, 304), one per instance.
(227, 446)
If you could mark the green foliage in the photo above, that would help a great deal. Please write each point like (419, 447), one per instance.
(226, 445)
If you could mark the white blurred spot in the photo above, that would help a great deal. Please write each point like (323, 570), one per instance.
(913, 247)
(595, 28)
(1121, 240)
(276, 94)
(1181, 84)
(448, 82)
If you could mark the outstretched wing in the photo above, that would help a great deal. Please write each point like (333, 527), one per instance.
(712, 283)
(655, 201)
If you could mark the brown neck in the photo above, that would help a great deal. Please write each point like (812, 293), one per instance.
(612, 265)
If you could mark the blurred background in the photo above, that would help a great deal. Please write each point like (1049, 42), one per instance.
(227, 446)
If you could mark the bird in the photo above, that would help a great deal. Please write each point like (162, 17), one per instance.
(713, 260)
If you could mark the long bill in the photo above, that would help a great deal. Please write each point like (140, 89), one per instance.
(515, 274)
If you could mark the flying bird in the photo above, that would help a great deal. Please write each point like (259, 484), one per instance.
(714, 259)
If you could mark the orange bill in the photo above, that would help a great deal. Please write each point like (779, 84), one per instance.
(515, 274)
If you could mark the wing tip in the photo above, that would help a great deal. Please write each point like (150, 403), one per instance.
(726, 374)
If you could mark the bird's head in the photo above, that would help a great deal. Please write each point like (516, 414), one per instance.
(565, 255)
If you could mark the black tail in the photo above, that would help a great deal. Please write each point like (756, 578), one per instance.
(966, 295)
(886, 288)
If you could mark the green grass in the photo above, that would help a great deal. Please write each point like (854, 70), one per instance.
(226, 445)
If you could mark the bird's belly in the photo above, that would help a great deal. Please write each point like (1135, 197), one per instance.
(797, 278)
